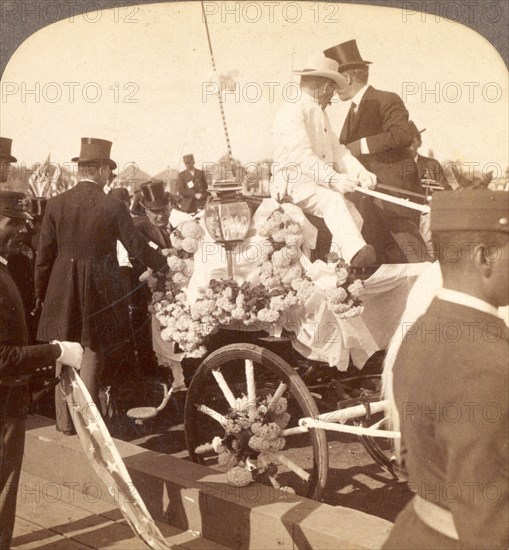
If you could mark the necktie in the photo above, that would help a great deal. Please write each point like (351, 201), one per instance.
(351, 117)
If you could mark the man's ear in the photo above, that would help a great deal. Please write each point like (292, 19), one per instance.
(483, 258)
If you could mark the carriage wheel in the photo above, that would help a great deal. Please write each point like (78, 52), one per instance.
(302, 465)
(381, 450)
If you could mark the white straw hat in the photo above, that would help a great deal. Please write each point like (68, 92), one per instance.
(320, 65)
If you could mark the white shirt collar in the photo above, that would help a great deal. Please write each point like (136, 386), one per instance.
(88, 179)
(3, 260)
(357, 98)
(466, 300)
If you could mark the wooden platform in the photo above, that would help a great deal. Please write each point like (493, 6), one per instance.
(179, 494)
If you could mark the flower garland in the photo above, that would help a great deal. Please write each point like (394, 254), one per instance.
(344, 300)
(262, 432)
(283, 285)
(169, 301)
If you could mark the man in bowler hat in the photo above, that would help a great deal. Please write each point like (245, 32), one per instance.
(77, 276)
(451, 388)
(191, 186)
(376, 131)
(18, 360)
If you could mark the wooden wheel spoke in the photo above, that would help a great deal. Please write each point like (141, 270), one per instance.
(213, 414)
(205, 448)
(290, 464)
(223, 385)
(277, 396)
(251, 388)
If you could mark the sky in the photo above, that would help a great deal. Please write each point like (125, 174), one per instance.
(142, 78)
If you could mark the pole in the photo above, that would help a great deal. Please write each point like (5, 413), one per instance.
(395, 200)
(221, 106)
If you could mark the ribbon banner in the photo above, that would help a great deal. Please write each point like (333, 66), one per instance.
(107, 462)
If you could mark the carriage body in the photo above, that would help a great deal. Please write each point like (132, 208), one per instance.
(263, 392)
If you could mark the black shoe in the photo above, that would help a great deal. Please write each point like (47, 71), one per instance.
(365, 257)
(319, 373)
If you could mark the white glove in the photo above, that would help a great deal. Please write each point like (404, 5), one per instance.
(367, 179)
(145, 275)
(72, 354)
(343, 183)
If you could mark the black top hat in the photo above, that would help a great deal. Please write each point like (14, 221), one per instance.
(38, 206)
(14, 205)
(120, 193)
(347, 56)
(153, 195)
(95, 150)
(5, 150)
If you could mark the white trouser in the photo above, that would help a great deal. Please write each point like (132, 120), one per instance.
(340, 216)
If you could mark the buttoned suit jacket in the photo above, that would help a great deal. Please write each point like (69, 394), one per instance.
(17, 358)
(189, 203)
(382, 119)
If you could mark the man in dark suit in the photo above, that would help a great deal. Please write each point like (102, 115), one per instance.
(429, 170)
(191, 187)
(451, 384)
(18, 361)
(77, 274)
(376, 131)
(155, 227)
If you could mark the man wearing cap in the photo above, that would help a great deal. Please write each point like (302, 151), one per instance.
(17, 360)
(313, 168)
(77, 275)
(377, 132)
(191, 186)
(451, 384)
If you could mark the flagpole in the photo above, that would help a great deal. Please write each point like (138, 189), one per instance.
(221, 106)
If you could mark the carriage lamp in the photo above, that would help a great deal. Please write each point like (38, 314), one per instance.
(227, 217)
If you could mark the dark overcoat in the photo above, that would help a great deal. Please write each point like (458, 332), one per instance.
(189, 184)
(77, 273)
(451, 388)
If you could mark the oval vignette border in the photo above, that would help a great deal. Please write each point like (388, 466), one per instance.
(496, 33)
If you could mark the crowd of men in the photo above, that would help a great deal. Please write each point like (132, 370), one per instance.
(91, 250)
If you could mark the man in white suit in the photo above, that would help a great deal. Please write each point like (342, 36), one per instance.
(313, 168)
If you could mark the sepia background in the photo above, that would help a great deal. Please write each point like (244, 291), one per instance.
(142, 78)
